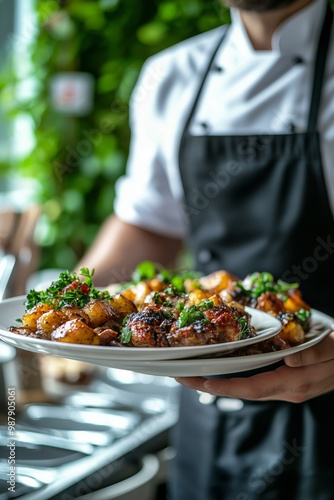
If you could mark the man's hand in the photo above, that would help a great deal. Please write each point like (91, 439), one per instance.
(306, 374)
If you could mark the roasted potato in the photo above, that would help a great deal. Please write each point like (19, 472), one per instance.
(122, 305)
(75, 331)
(49, 321)
(30, 318)
(99, 311)
(217, 281)
(294, 302)
(292, 332)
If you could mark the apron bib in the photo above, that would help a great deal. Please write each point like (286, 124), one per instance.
(259, 203)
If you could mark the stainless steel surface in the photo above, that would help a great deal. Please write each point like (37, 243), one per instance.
(133, 415)
(35, 437)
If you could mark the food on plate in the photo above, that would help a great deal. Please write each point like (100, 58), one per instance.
(72, 310)
(160, 308)
(258, 290)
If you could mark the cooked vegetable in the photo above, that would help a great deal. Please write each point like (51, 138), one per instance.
(163, 309)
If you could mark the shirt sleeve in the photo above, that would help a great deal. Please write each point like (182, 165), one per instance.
(143, 196)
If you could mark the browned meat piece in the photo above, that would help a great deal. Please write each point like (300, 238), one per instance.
(23, 330)
(106, 335)
(270, 302)
(271, 345)
(144, 326)
(198, 333)
(227, 322)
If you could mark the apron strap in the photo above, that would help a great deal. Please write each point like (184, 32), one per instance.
(319, 70)
(203, 80)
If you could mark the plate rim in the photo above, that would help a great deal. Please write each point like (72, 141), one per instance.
(262, 359)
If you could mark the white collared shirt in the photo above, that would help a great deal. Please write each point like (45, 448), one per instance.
(246, 92)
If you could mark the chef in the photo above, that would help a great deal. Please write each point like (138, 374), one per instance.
(233, 150)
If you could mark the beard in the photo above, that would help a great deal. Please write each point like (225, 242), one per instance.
(258, 5)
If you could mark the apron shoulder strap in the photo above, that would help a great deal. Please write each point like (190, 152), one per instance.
(319, 70)
(205, 74)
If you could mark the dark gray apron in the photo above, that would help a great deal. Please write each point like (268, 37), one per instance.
(259, 203)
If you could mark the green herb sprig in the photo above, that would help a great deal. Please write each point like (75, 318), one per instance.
(303, 316)
(259, 283)
(244, 328)
(194, 313)
(68, 290)
(148, 270)
(126, 335)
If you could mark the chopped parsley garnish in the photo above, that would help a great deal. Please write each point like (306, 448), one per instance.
(148, 270)
(68, 290)
(144, 271)
(125, 319)
(167, 314)
(244, 328)
(205, 305)
(303, 316)
(171, 290)
(259, 283)
(157, 299)
(126, 335)
(194, 313)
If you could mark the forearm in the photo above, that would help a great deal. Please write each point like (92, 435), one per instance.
(119, 247)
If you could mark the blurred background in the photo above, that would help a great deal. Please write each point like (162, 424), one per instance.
(67, 70)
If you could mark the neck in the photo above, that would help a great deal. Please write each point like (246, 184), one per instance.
(260, 26)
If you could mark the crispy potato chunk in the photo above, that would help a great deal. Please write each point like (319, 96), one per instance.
(295, 302)
(217, 281)
(156, 285)
(30, 318)
(75, 331)
(73, 312)
(292, 332)
(98, 312)
(197, 295)
(49, 321)
(129, 294)
(140, 291)
(123, 306)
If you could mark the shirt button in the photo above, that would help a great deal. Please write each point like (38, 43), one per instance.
(298, 60)
(204, 125)
(217, 68)
(292, 127)
(204, 256)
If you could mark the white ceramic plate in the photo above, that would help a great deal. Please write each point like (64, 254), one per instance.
(265, 325)
(322, 325)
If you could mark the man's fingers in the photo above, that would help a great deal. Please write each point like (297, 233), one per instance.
(193, 382)
(324, 351)
(283, 384)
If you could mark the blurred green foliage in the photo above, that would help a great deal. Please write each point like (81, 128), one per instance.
(110, 39)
